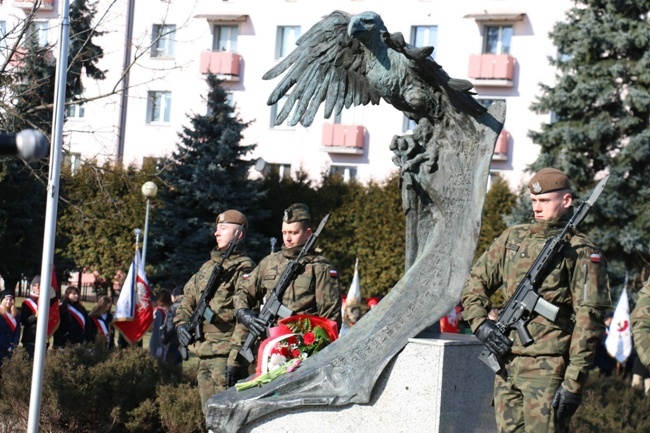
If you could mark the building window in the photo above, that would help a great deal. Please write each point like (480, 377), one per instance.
(75, 111)
(286, 42)
(408, 125)
(72, 161)
(3, 39)
(230, 100)
(224, 38)
(486, 102)
(282, 170)
(497, 39)
(275, 109)
(347, 172)
(162, 40)
(37, 33)
(425, 36)
(159, 107)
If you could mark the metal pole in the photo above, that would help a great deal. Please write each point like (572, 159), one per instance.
(124, 98)
(50, 220)
(144, 239)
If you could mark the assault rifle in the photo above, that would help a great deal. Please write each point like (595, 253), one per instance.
(273, 308)
(519, 310)
(203, 310)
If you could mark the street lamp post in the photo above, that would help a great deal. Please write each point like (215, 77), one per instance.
(149, 190)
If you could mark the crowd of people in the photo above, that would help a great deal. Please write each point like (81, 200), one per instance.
(75, 325)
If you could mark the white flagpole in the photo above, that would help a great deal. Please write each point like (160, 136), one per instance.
(50, 220)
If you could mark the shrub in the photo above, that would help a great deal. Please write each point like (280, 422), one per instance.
(87, 388)
(611, 405)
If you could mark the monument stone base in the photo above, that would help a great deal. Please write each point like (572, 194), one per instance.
(436, 384)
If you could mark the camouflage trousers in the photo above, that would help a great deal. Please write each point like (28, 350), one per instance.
(522, 402)
(211, 377)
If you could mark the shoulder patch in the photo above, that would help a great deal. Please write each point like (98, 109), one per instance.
(594, 258)
(334, 273)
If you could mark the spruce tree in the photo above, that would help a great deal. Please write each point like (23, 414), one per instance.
(601, 106)
(499, 203)
(207, 174)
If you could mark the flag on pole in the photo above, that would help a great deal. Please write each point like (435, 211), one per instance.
(355, 288)
(53, 319)
(134, 311)
(619, 339)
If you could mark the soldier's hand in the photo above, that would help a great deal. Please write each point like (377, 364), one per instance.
(233, 374)
(565, 404)
(493, 338)
(183, 334)
(249, 319)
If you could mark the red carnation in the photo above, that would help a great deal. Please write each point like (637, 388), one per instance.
(292, 340)
(284, 351)
(295, 353)
(309, 338)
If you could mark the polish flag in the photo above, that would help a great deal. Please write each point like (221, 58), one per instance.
(134, 311)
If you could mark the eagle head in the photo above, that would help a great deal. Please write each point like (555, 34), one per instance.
(365, 26)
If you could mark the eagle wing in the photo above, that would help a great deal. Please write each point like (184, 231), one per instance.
(327, 65)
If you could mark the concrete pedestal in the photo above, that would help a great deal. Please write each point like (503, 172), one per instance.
(436, 384)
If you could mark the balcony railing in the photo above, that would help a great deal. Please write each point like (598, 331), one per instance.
(501, 147)
(221, 63)
(43, 5)
(339, 138)
(492, 69)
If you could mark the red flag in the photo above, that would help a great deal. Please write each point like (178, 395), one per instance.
(134, 311)
(53, 319)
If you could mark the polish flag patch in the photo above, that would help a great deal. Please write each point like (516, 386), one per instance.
(595, 258)
(334, 273)
(244, 277)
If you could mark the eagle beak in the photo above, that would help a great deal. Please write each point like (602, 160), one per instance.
(355, 26)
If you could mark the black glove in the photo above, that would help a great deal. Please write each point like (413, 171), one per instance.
(249, 319)
(233, 374)
(184, 335)
(493, 339)
(565, 404)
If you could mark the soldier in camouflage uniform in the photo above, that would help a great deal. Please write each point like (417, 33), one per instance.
(315, 290)
(219, 364)
(545, 379)
(641, 325)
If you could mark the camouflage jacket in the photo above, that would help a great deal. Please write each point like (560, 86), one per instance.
(577, 284)
(641, 324)
(223, 336)
(314, 291)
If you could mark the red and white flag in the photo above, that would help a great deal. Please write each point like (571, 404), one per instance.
(134, 311)
(619, 339)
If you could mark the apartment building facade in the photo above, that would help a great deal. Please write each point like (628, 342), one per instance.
(165, 48)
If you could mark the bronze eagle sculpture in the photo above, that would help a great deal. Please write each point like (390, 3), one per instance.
(347, 60)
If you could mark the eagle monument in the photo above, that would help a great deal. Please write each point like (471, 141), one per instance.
(345, 61)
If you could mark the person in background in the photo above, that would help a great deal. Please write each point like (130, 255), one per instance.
(73, 328)
(9, 324)
(100, 321)
(163, 302)
(29, 314)
(351, 316)
(544, 380)
(168, 329)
